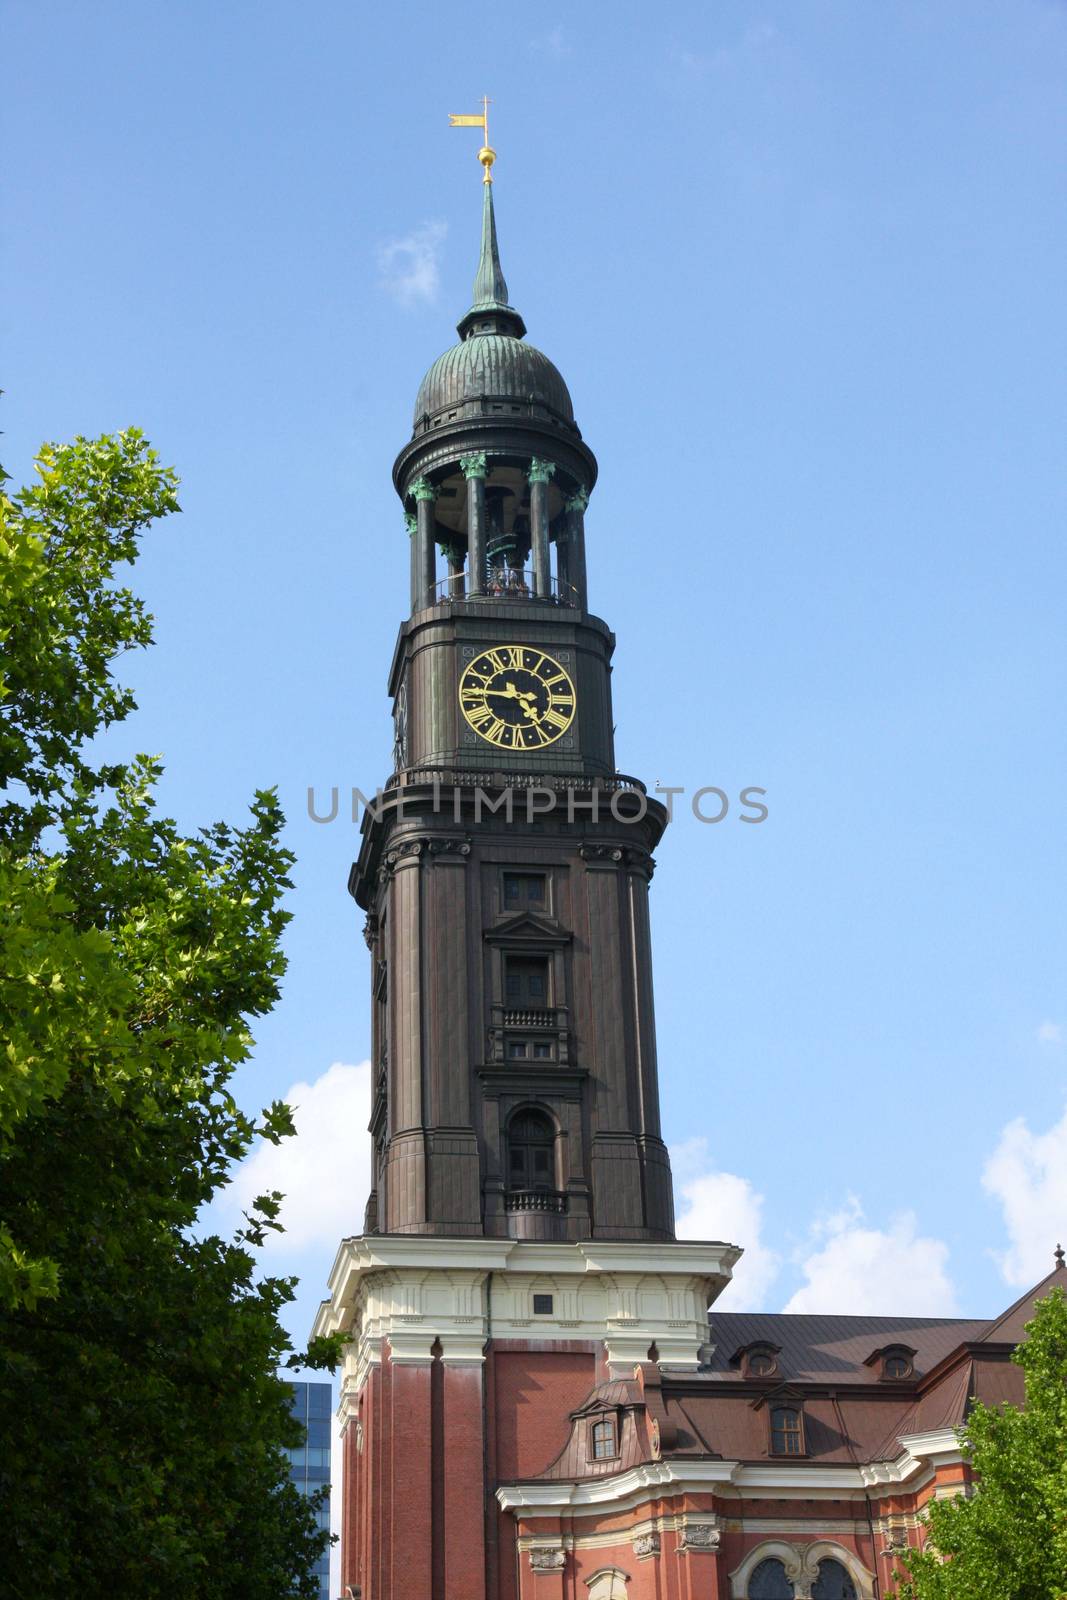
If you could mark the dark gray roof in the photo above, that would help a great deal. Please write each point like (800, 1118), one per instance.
(833, 1349)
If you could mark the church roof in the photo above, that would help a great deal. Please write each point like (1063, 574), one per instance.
(834, 1349)
(851, 1416)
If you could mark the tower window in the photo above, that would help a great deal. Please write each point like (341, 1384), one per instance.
(787, 1432)
(531, 1152)
(524, 889)
(526, 982)
(604, 1440)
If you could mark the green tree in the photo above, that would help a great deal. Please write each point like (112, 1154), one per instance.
(1008, 1541)
(144, 1423)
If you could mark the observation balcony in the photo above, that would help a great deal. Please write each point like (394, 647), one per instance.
(544, 1200)
(507, 583)
(542, 1018)
(414, 777)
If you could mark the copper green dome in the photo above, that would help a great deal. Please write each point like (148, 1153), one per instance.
(492, 370)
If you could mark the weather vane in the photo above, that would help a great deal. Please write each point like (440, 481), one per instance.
(460, 119)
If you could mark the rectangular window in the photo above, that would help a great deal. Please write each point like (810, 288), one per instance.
(524, 889)
(787, 1435)
(542, 1304)
(542, 1052)
(604, 1440)
(517, 1049)
(526, 982)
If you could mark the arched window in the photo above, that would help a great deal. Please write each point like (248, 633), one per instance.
(833, 1583)
(787, 1433)
(531, 1152)
(769, 1582)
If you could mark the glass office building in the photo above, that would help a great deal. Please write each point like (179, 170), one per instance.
(312, 1404)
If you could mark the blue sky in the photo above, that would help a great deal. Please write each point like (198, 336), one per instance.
(802, 265)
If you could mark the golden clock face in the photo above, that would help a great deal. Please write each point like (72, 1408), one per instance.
(517, 697)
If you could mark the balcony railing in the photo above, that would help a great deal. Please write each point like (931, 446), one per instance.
(408, 777)
(541, 1018)
(535, 1200)
(506, 583)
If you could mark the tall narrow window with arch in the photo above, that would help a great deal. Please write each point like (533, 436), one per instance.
(531, 1152)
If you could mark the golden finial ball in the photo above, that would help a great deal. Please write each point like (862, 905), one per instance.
(486, 156)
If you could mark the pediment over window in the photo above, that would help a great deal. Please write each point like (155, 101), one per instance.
(785, 1394)
(528, 928)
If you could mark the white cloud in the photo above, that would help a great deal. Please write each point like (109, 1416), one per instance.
(324, 1171)
(721, 1205)
(869, 1271)
(725, 57)
(553, 44)
(1027, 1173)
(1050, 1033)
(409, 267)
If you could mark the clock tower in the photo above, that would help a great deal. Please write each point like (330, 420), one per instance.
(519, 1235)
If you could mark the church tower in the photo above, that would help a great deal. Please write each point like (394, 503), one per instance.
(518, 1242)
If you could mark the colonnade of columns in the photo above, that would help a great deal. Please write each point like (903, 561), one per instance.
(472, 583)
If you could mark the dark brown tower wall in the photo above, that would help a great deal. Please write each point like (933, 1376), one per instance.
(449, 1083)
(436, 644)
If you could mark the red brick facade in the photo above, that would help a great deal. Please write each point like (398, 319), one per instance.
(470, 1471)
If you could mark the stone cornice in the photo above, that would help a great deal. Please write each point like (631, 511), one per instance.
(796, 1481)
(405, 1293)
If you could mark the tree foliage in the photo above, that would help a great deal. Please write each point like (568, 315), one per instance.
(144, 1423)
(1008, 1539)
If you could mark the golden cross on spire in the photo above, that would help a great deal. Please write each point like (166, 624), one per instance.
(462, 119)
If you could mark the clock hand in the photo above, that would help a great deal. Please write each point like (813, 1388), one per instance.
(509, 692)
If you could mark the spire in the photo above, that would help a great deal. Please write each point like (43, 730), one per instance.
(490, 289)
(490, 311)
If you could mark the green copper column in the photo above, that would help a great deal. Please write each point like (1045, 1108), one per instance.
(576, 542)
(426, 563)
(475, 472)
(539, 474)
(411, 523)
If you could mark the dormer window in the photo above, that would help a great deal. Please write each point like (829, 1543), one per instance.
(787, 1431)
(894, 1362)
(757, 1360)
(760, 1362)
(603, 1440)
